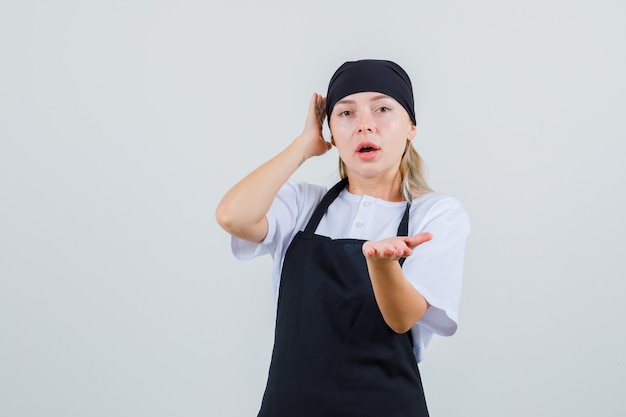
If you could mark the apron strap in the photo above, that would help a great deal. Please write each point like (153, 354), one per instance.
(322, 207)
(403, 228)
(331, 195)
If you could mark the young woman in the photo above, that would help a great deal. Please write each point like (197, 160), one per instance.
(364, 273)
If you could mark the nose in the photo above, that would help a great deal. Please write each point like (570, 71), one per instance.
(365, 123)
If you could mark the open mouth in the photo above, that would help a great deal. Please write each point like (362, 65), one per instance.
(367, 148)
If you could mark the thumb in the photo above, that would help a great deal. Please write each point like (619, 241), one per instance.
(418, 239)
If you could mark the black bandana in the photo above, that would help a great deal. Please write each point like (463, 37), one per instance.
(371, 75)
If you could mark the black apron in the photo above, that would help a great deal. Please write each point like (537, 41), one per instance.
(334, 355)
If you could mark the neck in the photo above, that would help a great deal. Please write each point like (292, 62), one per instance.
(384, 188)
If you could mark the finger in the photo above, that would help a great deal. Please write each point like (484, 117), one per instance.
(403, 252)
(418, 239)
(368, 250)
(313, 113)
(313, 101)
(389, 251)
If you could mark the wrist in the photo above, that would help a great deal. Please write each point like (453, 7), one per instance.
(300, 149)
(382, 265)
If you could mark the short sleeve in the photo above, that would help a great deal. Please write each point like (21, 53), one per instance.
(436, 267)
(288, 214)
(281, 218)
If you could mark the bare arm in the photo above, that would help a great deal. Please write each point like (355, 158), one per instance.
(242, 210)
(399, 302)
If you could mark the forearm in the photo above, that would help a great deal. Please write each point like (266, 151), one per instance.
(399, 302)
(242, 210)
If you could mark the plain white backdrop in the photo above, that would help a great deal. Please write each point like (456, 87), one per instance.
(122, 123)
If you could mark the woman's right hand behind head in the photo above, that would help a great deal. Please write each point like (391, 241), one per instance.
(312, 137)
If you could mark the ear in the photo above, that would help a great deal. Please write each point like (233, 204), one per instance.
(412, 132)
(332, 140)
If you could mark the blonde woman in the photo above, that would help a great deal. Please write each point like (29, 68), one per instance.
(365, 272)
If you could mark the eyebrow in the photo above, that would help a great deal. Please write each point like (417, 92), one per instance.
(375, 98)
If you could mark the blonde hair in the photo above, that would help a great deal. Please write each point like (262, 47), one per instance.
(412, 173)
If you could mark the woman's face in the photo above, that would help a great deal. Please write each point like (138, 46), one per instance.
(370, 131)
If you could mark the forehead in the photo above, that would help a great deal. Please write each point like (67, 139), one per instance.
(364, 97)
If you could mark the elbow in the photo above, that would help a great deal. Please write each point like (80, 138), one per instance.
(399, 325)
(400, 328)
(404, 323)
(224, 218)
(237, 224)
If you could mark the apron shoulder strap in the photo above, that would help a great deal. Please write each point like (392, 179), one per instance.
(331, 195)
(322, 207)
(403, 228)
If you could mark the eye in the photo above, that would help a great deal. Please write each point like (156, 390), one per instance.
(345, 113)
(384, 109)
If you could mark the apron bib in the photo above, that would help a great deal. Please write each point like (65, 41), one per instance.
(334, 355)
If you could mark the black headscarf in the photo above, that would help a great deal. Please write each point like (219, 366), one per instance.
(375, 75)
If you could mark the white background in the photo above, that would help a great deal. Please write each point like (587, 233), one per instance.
(122, 123)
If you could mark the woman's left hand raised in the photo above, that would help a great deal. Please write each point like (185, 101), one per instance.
(393, 248)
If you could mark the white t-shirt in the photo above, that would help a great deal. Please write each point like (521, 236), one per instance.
(435, 268)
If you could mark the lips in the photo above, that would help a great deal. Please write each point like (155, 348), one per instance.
(367, 151)
(366, 147)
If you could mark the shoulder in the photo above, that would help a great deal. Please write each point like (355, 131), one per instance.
(304, 188)
(295, 202)
(437, 207)
(302, 193)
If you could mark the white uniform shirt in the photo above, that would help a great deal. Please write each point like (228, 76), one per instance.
(435, 268)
